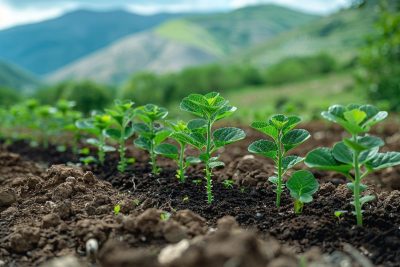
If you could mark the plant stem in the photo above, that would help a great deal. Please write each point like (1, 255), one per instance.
(357, 181)
(122, 159)
(298, 206)
(101, 152)
(181, 164)
(280, 171)
(210, 197)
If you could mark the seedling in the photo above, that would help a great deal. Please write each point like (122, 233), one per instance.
(117, 209)
(228, 184)
(197, 181)
(185, 199)
(121, 129)
(164, 216)
(179, 132)
(87, 160)
(96, 125)
(284, 138)
(68, 119)
(302, 185)
(46, 123)
(339, 214)
(209, 108)
(151, 132)
(357, 156)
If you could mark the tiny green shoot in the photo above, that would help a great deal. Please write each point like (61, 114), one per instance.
(164, 216)
(302, 185)
(228, 184)
(280, 129)
(117, 209)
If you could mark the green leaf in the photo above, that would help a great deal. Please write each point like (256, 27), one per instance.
(342, 153)
(215, 164)
(161, 136)
(384, 160)
(129, 132)
(364, 143)
(350, 186)
(264, 147)
(292, 122)
(93, 141)
(197, 124)
(196, 140)
(228, 135)
(355, 116)
(143, 143)
(294, 138)
(167, 150)
(302, 185)
(279, 121)
(108, 148)
(141, 128)
(192, 160)
(366, 199)
(273, 179)
(290, 161)
(266, 128)
(322, 158)
(113, 133)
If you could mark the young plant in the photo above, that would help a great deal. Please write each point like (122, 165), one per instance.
(151, 132)
(68, 120)
(209, 108)
(179, 131)
(46, 123)
(121, 129)
(284, 138)
(357, 156)
(96, 125)
(302, 185)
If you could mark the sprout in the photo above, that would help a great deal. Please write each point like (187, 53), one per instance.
(357, 156)
(302, 185)
(209, 108)
(284, 138)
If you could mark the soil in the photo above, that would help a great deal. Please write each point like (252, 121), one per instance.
(49, 210)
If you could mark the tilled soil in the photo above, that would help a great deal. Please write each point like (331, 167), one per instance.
(55, 212)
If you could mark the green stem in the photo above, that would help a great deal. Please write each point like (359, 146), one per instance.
(101, 152)
(181, 164)
(357, 181)
(298, 206)
(122, 159)
(210, 197)
(280, 171)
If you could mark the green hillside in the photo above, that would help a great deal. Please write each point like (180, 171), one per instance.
(339, 34)
(180, 43)
(15, 78)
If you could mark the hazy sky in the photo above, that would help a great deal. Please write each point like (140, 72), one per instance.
(14, 12)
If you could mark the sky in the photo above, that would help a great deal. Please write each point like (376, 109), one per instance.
(16, 12)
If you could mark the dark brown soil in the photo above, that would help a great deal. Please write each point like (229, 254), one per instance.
(50, 214)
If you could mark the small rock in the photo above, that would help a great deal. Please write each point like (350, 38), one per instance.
(62, 192)
(173, 252)
(7, 198)
(51, 220)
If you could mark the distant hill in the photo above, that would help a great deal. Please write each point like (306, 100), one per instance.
(184, 42)
(13, 77)
(339, 34)
(49, 45)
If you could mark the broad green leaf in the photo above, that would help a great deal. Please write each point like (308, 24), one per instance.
(264, 147)
(366, 199)
(93, 141)
(192, 160)
(336, 114)
(279, 121)
(294, 138)
(143, 143)
(197, 124)
(380, 116)
(84, 124)
(228, 135)
(193, 104)
(193, 139)
(266, 128)
(384, 160)
(342, 153)
(302, 185)
(292, 122)
(224, 112)
(350, 186)
(364, 143)
(141, 128)
(113, 133)
(129, 132)
(108, 148)
(161, 136)
(167, 150)
(290, 161)
(215, 164)
(322, 158)
(355, 116)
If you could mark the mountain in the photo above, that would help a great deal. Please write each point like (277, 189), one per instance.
(340, 34)
(49, 45)
(13, 77)
(183, 42)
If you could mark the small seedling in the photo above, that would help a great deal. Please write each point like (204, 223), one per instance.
(284, 138)
(46, 123)
(96, 125)
(339, 214)
(121, 129)
(151, 132)
(357, 156)
(185, 199)
(87, 160)
(197, 181)
(136, 202)
(117, 209)
(179, 132)
(210, 108)
(302, 185)
(228, 184)
(164, 216)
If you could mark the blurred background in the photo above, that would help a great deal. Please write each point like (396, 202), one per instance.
(292, 56)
